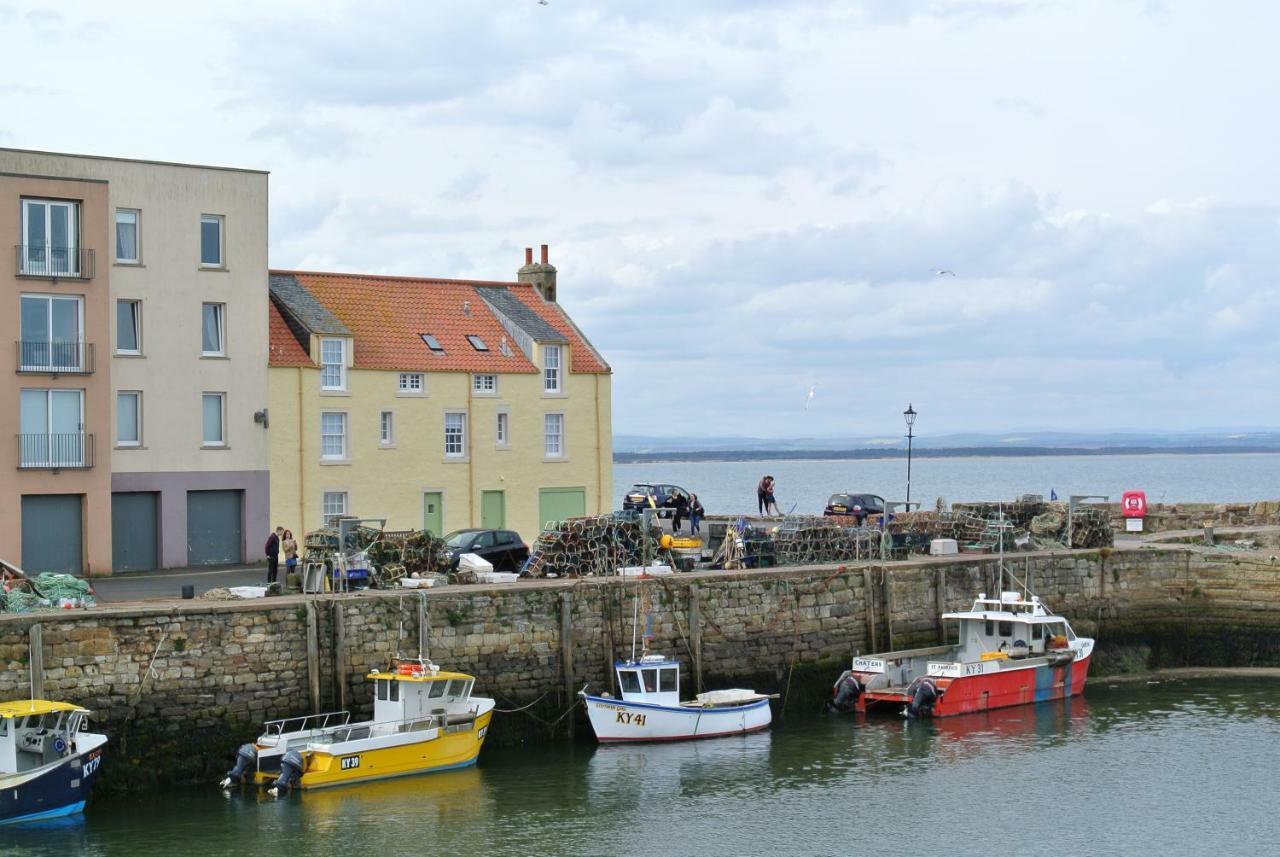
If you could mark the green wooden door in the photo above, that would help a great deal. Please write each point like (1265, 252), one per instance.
(433, 512)
(556, 504)
(493, 510)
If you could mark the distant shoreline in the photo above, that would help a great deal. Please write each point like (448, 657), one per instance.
(951, 452)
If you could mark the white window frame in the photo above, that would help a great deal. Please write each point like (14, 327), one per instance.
(325, 506)
(484, 384)
(404, 382)
(459, 418)
(552, 369)
(502, 430)
(220, 314)
(386, 428)
(52, 364)
(341, 363)
(221, 442)
(137, 237)
(43, 263)
(136, 395)
(557, 450)
(221, 220)
(137, 327)
(341, 454)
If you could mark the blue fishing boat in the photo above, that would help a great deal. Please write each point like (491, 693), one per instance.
(48, 762)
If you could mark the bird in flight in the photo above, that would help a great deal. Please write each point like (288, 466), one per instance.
(813, 389)
(943, 272)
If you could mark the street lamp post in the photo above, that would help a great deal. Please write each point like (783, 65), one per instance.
(910, 416)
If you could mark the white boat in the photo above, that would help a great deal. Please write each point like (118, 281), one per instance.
(650, 708)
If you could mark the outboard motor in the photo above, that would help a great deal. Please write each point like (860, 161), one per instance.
(923, 693)
(845, 693)
(246, 759)
(290, 773)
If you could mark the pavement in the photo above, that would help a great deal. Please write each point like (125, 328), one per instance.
(167, 584)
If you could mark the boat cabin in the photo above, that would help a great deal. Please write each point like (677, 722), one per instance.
(653, 678)
(415, 692)
(1009, 625)
(37, 732)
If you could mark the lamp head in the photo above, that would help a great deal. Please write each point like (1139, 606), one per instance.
(910, 416)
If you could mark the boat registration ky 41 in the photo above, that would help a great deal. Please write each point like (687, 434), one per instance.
(634, 718)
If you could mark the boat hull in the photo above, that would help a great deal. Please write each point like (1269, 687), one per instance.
(52, 791)
(618, 721)
(448, 751)
(1002, 689)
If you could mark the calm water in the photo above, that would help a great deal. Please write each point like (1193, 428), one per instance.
(1176, 768)
(729, 487)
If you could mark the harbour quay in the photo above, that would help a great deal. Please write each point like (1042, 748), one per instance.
(174, 684)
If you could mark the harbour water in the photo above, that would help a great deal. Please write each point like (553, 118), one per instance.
(729, 487)
(1178, 767)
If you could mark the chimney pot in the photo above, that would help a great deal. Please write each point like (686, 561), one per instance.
(544, 254)
(528, 255)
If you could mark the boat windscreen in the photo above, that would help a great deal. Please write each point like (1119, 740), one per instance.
(650, 681)
(629, 680)
(670, 678)
(437, 689)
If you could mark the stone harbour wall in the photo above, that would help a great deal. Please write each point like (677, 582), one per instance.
(178, 685)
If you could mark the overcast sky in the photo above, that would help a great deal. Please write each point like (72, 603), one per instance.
(746, 199)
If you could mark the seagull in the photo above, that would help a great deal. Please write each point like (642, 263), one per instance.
(943, 272)
(813, 388)
(543, 2)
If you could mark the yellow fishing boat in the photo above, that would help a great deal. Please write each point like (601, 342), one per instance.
(424, 719)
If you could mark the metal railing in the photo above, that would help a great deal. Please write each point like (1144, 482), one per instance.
(308, 723)
(73, 451)
(56, 358)
(44, 260)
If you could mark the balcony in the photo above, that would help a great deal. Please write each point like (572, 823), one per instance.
(55, 451)
(55, 358)
(54, 263)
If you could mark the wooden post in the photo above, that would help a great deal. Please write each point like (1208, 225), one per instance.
(35, 658)
(339, 657)
(695, 635)
(871, 607)
(940, 599)
(888, 605)
(313, 657)
(566, 651)
(608, 609)
(424, 627)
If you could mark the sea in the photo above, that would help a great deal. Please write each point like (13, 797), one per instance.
(1175, 768)
(802, 487)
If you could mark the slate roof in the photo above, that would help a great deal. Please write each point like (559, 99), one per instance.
(285, 350)
(387, 316)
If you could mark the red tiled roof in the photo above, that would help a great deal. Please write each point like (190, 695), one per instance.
(387, 316)
(285, 350)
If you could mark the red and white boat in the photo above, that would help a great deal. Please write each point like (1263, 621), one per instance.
(1010, 651)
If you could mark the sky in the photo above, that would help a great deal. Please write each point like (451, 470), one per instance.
(749, 200)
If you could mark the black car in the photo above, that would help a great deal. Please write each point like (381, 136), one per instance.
(503, 548)
(855, 505)
(638, 498)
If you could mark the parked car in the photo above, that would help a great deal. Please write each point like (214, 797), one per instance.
(855, 505)
(638, 497)
(503, 548)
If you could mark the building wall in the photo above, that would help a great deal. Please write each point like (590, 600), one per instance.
(93, 484)
(171, 373)
(390, 482)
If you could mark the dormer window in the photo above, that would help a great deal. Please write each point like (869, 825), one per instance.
(477, 343)
(333, 364)
(432, 343)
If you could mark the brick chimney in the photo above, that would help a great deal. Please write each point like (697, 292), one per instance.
(542, 275)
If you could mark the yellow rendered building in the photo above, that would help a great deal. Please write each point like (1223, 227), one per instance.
(435, 404)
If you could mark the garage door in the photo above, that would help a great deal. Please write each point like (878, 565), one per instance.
(213, 528)
(556, 504)
(134, 533)
(52, 531)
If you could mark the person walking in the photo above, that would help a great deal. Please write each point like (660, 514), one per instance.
(680, 503)
(769, 499)
(289, 545)
(695, 514)
(763, 487)
(273, 554)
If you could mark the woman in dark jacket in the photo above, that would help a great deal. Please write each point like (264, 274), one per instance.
(695, 514)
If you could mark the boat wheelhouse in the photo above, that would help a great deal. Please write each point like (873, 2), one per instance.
(649, 708)
(424, 719)
(48, 761)
(1009, 650)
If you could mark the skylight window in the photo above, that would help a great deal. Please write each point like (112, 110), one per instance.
(433, 343)
(477, 343)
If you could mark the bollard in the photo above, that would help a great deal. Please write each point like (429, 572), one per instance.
(188, 591)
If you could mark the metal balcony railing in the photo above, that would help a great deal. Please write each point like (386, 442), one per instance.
(55, 451)
(54, 263)
(55, 358)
